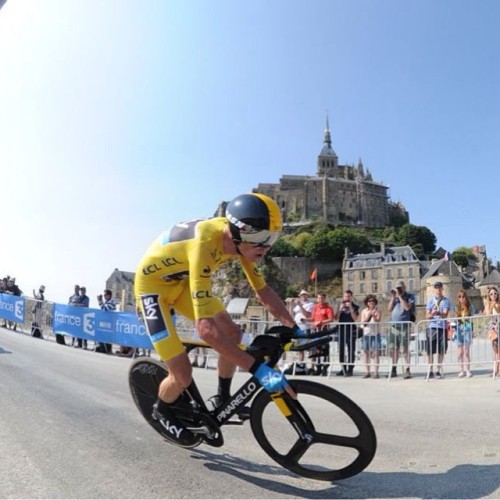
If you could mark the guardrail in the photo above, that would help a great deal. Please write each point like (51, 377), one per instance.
(123, 329)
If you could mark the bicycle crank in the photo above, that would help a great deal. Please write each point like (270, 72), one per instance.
(208, 429)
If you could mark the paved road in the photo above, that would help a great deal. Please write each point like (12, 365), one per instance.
(68, 429)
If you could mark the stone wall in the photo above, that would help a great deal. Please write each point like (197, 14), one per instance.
(298, 269)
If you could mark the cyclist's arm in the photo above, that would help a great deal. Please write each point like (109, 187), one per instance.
(223, 334)
(273, 303)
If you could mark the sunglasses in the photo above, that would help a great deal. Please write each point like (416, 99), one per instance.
(263, 238)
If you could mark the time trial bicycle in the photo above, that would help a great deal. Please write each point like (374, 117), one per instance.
(320, 435)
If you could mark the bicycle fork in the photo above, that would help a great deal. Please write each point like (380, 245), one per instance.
(293, 411)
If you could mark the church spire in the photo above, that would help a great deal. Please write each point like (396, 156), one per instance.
(328, 137)
(327, 159)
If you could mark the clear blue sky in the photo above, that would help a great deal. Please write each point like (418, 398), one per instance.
(120, 118)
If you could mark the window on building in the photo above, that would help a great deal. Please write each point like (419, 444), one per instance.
(400, 272)
(412, 285)
(389, 287)
(410, 271)
(362, 275)
(361, 288)
(350, 276)
(374, 287)
(374, 274)
(389, 273)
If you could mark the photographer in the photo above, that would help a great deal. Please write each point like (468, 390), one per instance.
(106, 304)
(402, 309)
(347, 315)
(370, 317)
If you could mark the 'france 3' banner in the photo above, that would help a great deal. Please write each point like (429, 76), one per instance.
(101, 326)
(11, 308)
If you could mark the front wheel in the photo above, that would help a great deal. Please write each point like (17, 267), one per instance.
(325, 435)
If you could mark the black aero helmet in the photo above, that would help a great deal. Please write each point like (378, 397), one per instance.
(254, 218)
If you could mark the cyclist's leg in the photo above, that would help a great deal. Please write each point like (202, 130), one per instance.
(227, 334)
(157, 315)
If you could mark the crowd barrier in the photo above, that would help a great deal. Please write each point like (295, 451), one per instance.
(418, 339)
(95, 325)
(124, 329)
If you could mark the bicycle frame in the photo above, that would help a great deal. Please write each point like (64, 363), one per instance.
(264, 347)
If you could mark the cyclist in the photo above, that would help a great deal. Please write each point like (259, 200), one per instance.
(176, 273)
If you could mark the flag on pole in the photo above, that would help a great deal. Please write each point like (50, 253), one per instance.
(314, 274)
(447, 256)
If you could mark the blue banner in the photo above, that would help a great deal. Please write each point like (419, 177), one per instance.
(101, 326)
(12, 308)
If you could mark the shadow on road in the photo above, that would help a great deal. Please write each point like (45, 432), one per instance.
(462, 481)
(3, 351)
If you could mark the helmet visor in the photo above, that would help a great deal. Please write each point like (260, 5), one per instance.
(263, 238)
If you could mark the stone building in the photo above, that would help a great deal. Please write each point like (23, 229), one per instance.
(338, 194)
(121, 283)
(379, 272)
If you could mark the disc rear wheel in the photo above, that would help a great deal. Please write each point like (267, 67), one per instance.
(145, 377)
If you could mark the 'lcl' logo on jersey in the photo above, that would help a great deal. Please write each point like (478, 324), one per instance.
(152, 268)
(170, 261)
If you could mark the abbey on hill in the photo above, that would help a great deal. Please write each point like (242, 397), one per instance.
(337, 194)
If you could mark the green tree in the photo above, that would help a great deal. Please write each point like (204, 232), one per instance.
(318, 246)
(343, 237)
(412, 235)
(299, 241)
(329, 246)
(462, 255)
(283, 248)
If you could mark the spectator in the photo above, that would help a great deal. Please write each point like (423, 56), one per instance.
(302, 310)
(437, 341)
(82, 301)
(246, 337)
(492, 307)
(3, 289)
(75, 298)
(106, 303)
(370, 317)
(302, 314)
(74, 301)
(322, 315)
(402, 309)
(13, 289)
(36, 324)
(347, 315)
(463, 333)
(197, 351)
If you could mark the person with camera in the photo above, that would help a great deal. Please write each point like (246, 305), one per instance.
(402, 309)
(347, 315)
(370, 317)
(302, 315)
(106, 303)
(437, 310)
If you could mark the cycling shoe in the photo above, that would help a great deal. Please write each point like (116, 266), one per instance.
(173, 430)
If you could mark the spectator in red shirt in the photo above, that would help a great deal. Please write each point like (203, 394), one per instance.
(322, 313)
(322, 316)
